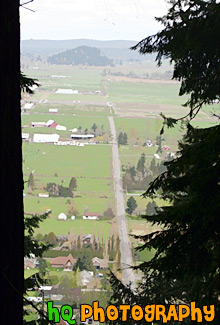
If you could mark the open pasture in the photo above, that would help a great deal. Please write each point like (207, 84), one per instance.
(69, 110)
(61, 76)
(94, 203)
(150, 93)
(48, 159)
(100, 229)
(70, 122)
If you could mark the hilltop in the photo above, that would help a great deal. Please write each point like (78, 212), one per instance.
(81, 55)
(116, 49)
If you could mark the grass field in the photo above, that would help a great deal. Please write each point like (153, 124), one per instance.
(81, 77)
(69, 110)
(137, 108)
(128, 92)
(69, 122)
(48, 159)
(100, 229)
(94, 203)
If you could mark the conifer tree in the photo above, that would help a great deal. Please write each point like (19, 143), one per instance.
(185, 267)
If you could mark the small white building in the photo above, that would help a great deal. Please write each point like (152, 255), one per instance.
(156, 156)
(73, 218)
(67, 91)
(25, 136)
(73, 130)
(62, 216)
(53, 110)
(46, 138)
(60, 128)
(43, 194)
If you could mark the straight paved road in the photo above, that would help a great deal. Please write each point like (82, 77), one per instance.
(125, 245)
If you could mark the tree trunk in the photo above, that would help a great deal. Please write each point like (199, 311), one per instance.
(11, 179)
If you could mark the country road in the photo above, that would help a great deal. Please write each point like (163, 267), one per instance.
(125, 245)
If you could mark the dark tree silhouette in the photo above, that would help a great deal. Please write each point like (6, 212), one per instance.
(11, 178)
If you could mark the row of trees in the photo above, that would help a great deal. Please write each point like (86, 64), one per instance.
(139, 177)
(60, 190)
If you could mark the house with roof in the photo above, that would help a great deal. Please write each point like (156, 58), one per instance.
(64, 262)
(91, 216)
(99, 263)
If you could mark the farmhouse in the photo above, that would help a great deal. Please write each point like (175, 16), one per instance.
(64, 262)
(99, 263)
(62, 216)
(91, 216)
(46, 138)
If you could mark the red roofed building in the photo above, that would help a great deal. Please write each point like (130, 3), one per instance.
(64, 262)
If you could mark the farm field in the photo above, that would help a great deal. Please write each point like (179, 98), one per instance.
(100, 229)
(69, 122)
(48, 159)
(94, 203)
(54, 76)
(136, 106)
(151, 93)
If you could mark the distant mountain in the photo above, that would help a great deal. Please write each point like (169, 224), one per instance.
(116, 50)
(84, 55)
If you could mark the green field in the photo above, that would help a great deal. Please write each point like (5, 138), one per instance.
(81, 78)
(48, 159)
(69, 110)
(155, 93)
(100, 229)
(137, 108)
(70, 122)
(94, 203)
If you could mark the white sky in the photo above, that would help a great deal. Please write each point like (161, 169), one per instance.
(92, 19)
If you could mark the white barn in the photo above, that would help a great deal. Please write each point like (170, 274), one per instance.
(46, 138)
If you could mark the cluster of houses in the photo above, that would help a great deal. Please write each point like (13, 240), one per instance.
(87, 216)
(64, 262)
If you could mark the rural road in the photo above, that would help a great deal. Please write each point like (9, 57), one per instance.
(125, 245)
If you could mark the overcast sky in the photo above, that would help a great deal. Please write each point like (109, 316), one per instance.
(93, 19)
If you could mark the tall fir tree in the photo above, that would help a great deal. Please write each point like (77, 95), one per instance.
(185, 266)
